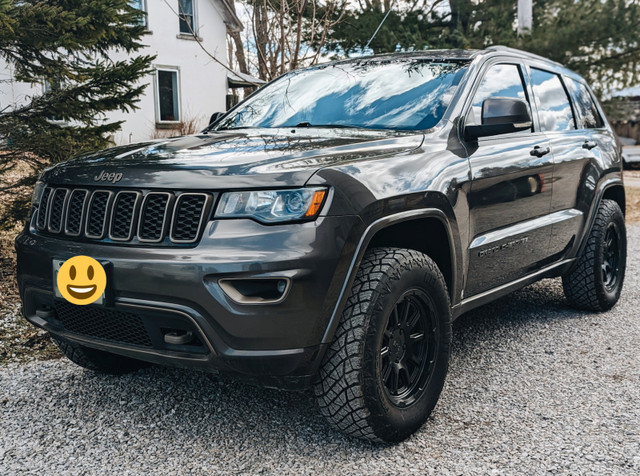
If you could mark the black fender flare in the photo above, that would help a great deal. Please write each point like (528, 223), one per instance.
(363, 245)
(602, 188)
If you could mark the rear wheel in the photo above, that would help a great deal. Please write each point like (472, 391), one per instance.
(97, 360)
(384, 371)
(596, 281)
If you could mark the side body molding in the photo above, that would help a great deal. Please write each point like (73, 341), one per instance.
(363, 244)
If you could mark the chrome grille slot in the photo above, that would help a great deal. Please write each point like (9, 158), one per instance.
(75, 212)
(41, 222)
(131, 216)
(122, 216)
(153, 217)
(187, 217)
(97, 214)
(56, 208)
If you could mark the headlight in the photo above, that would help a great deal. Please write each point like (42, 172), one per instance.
(272, 206)
(37, 193)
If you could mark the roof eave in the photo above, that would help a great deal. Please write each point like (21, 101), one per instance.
(229, 17)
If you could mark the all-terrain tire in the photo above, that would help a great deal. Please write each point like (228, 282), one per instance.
(595, 282)
(358, 389)
(97, 360)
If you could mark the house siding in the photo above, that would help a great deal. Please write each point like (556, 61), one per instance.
(203, 82)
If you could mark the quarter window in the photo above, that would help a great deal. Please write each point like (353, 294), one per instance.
(588, 115)
(168, 97)
(187, 17)
(554, 108)
(501, 80)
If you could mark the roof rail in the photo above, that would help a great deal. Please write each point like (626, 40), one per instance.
(521, 52)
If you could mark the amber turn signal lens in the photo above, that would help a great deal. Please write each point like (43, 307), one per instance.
(316, 202)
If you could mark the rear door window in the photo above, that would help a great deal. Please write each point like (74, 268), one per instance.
(554, 107)
(588, 115)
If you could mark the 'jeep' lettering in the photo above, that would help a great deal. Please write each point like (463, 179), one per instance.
(103, 176)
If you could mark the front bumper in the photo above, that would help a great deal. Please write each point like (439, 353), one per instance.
(278, 344)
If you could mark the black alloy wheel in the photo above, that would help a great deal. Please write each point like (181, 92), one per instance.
(409, 344)
(611, 258)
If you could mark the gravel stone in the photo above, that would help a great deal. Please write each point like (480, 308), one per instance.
(534, 387)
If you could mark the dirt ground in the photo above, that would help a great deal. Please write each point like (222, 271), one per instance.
(20, 341)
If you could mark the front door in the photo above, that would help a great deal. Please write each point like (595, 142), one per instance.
(510, 193)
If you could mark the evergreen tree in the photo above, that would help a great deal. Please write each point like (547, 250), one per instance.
(67, 45)
(599, 39)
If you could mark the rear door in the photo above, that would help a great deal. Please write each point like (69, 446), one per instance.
(572, 148)
(511, 189)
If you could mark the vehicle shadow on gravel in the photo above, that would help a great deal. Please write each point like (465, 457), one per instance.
(539, 304)
(213, 412)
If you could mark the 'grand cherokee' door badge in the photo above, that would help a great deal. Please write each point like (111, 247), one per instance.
(503, 246)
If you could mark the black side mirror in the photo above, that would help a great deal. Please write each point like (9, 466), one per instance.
(215, 117)
(501, 116)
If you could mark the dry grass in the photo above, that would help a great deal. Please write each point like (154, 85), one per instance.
(633, 205)
(190, 125)
(19, 340)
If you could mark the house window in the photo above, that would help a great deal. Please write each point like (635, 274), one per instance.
(52, 86)
(140, 5)
(168, 99)
(187, 17)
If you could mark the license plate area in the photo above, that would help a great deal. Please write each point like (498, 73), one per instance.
(56, 267)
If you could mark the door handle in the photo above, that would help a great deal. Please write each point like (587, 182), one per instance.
(540, 151)
(589, 144)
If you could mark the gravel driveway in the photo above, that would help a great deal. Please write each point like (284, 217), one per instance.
(533, 387)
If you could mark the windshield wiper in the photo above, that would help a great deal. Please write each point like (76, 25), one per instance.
(328, 126)
(235, 128)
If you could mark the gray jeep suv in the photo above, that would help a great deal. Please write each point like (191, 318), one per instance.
(326, 231)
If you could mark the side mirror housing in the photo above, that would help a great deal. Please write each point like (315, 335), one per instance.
(215, 117)
(501, 116)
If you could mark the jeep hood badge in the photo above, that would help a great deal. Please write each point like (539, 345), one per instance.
(112, 177)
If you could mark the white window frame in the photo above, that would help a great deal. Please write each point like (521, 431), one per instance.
(194, 4)
(47, 86)
(156, 83)
(143, 8)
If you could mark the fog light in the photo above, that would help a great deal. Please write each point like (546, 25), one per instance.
(281, 286)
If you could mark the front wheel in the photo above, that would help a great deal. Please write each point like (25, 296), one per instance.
(385, 369)
(595, 282)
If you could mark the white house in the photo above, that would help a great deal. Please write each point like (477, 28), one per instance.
(186, 85)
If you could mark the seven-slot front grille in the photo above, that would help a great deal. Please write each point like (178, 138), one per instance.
(123, 216)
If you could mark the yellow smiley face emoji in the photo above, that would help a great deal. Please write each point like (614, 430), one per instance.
(81, 280)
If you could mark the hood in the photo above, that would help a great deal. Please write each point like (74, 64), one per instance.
(229, 159)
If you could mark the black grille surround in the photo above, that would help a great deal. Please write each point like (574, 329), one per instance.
(134, 217)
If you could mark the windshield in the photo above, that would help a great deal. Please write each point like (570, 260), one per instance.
(394, 94)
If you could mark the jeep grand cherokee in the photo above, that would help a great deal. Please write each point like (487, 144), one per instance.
(327, 230)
